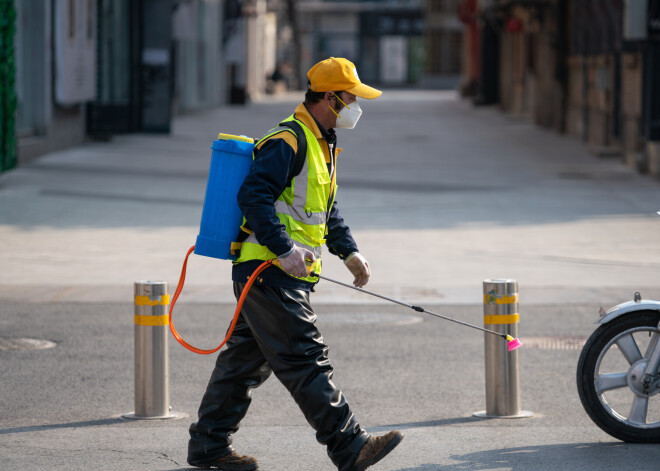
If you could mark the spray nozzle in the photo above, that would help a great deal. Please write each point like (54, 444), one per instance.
(513, 343)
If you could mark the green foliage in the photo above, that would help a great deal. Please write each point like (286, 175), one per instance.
(7, 86)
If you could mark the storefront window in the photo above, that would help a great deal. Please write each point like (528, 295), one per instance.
(114, 53)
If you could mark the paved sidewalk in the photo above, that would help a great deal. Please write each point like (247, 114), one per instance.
(439, 195)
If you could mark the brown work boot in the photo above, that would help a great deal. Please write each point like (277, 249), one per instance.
(376, 448)
(231, 462)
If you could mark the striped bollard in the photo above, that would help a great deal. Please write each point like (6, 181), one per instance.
(152, 395)
(502, 379)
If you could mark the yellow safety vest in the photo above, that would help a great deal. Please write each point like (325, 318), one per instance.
(302, 207)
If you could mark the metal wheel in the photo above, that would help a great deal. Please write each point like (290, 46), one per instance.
(610, 378)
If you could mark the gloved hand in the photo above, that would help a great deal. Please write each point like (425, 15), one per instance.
(359, 267)
(294, 262)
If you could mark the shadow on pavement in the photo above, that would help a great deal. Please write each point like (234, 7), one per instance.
(88, 423)
(435, 423)
(587, 456)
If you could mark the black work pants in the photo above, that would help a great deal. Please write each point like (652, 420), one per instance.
(275, 332)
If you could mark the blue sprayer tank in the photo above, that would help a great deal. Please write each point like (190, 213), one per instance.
(231, 158)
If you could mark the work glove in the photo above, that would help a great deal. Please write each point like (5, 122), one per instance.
(359, 267)
(294, 262)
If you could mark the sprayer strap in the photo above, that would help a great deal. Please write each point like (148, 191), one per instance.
(301, 154)
(296, 129)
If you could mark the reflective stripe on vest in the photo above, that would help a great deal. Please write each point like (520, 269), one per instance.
(302, 207)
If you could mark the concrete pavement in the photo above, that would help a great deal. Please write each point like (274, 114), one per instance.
(426, 180)
(439, 195)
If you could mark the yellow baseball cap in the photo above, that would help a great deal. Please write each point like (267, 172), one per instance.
(339, 74)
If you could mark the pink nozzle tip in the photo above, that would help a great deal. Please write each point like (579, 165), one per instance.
(515, 343)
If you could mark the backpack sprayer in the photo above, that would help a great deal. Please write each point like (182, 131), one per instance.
(231, 158)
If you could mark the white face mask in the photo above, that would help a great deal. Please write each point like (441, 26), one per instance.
(349, 115)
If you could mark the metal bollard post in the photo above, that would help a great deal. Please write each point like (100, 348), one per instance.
(502, 379)
(152, 395)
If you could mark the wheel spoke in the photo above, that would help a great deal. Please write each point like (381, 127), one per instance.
(629, 348)
(652, 344)
(638, 410)
(607, 382)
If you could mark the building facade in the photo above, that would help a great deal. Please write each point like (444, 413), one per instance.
(79, 69)
(88, 69)
(54, 56)
(587, 68)
(395, 43)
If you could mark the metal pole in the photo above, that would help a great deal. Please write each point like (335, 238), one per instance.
(152, 396)
(502, 381)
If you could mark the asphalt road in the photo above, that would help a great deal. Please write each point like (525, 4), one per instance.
(61, 407)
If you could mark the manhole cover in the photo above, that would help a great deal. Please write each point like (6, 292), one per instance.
(23, 344)
(366, 318)
(554, 343)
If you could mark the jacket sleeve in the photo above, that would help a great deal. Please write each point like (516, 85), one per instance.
(339, 240)
(265, 183)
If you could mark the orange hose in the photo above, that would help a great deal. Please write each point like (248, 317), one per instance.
(239, 306)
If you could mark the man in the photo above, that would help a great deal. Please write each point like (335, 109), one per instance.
(288, 218)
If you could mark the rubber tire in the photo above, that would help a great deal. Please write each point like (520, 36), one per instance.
(585, 378)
